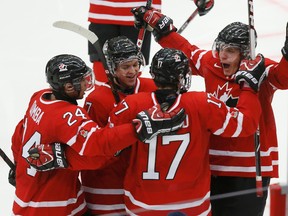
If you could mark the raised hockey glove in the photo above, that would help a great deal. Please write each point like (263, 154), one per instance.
(251, 72)
(45, 157)
(156, 120)
(204, 6)
(285, 48)
(152, 20)
(12, 177)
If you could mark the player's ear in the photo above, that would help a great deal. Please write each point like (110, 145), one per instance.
(68, 88)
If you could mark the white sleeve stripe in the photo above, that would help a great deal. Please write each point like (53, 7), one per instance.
(221, 130)
(87, 138)
(239, 125)
(198, 64)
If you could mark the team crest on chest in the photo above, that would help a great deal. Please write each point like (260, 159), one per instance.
(223, 93)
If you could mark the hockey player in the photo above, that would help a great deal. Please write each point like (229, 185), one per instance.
(170, 173)
(109, 19)
(232, 159)
(53, 116)
(104, 187)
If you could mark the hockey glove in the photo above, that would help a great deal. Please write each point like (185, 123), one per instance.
(47, 157)
(204, 6)
(153, 20)
(252, 72)
(150, 123)
(285, 48)
(12, 177)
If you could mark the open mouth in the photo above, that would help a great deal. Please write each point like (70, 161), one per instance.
(130, 76)
(224, 65)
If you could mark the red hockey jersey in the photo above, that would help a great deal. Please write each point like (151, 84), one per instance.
(171, 172)
(58, 192)
(117, 12)
(235, 156)
(104, 187)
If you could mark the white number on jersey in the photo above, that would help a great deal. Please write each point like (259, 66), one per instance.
(152, 157)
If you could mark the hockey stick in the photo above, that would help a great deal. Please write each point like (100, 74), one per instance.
(7, 160)
(142, 31)
(185, 24)
(92, 38)
(259, 186)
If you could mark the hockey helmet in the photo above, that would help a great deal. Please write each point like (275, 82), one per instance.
(235, 34)
(66, 68)
(119, 50)
(171, 67)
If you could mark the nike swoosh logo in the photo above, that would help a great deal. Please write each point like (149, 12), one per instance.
(217, 66)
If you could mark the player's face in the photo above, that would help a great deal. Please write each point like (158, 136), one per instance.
(83, 84)
(127, 73)
(230, 58)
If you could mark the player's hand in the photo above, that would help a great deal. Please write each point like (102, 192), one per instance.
(204, 6)
(152, 20)
(12, 177)
(285, 48)
(156, 120)
(46, 157)
(251, 72)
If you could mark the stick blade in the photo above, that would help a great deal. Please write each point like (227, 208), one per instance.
(89, 35)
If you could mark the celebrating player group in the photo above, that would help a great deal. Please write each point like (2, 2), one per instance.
(159, 149)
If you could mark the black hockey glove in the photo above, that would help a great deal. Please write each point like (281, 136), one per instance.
(153, 20)
(150, 123)
(12, 177)
(204, 6)
(252, 72)
(285, 48)
(46, 157)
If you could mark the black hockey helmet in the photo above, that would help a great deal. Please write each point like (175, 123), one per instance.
(235, 34)
(170, 67)
(66, 68)
(120, 49)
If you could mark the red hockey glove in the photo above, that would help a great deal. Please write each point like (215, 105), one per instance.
(153, 20)
(252, 72)
(285, 48)
(204, 6)
(45, 157)
(150, 123)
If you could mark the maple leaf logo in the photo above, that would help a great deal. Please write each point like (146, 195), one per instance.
(223, 93)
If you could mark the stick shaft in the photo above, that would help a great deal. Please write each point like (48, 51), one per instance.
(93, 39)
(251, 28)
(142, 31)
(7, 160)
(185, 24)
(259, 186)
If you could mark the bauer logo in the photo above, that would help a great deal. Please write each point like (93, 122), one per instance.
(58, 153)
